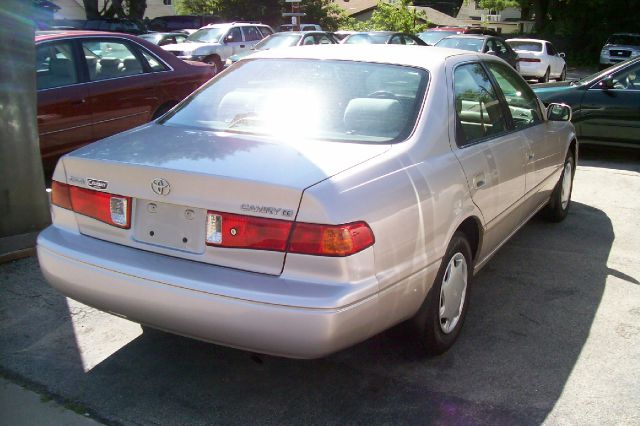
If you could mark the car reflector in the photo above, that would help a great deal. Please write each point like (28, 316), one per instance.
(60, 195)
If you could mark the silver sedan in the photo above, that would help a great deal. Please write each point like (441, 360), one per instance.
(310, 198)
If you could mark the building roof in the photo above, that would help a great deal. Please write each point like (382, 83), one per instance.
(439, 18)
(354, 7)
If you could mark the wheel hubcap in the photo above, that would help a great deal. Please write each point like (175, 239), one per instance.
(566, 185)
(452, 293)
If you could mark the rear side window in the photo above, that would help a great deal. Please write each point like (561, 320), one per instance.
(550, 49)
(478, 111)
(108, 59)
(153, 62)
(522, 102)
(55, 65)
(251, 34)
(266, 31)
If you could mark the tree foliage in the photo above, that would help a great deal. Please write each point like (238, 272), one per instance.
(498, 5)
(397, 16)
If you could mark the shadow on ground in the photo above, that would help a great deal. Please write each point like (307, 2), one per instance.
(531, 311)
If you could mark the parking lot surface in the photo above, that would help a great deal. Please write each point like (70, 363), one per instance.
(552, 336)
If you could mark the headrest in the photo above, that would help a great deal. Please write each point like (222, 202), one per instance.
(376, 117)
(109, 63)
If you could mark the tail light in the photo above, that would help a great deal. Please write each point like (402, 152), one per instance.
(529, 60)
(249, 232)
(112, 209)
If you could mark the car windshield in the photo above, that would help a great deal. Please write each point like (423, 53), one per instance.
(472, 44)
(309, 99)
(278, 40)
(626, 39)
(432, 37)
(529, 46)
(206, 35)
(367, 39)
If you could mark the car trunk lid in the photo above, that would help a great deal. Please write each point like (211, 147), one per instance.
(204, 171)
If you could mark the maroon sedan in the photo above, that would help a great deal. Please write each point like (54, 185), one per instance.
(94, 84)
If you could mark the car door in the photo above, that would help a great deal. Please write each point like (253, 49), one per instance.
(234, 41)
(64, 110)
(555, 62)
(542, 155)
(123, 93)
(251, 36)
(611, 110)
(491, 155)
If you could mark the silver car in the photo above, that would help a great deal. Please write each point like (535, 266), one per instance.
(246, 218)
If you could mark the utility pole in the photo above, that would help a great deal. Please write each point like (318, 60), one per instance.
(23, 201)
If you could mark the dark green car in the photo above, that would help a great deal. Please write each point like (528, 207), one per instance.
(606, 105)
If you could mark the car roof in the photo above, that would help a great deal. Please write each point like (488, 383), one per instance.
(233, 24)
(415, 56)
(52, 35)
(535, 40)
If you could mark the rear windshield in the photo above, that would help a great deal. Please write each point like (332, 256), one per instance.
(472, 44)
(627, 39)
(367, 39)
(278, 40)
(432, 37)
(309, 99)
(529, 46)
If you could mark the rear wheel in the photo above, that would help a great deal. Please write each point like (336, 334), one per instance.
(563, 74)
(440, 318)
(545, 77)
(560, 200)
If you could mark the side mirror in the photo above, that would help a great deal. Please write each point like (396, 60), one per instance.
(562, 55)
(228, 39)
(559, 112)
(606, 83)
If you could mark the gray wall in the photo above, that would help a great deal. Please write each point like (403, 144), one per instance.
(23, 201)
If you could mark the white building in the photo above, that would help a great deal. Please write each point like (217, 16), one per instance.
(74, 9)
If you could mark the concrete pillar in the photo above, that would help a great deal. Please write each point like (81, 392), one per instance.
(23, 201)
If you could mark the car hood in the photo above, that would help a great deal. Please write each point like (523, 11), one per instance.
(186, 46)
(243, 157)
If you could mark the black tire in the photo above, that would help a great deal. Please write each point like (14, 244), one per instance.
(563, 74)
(555, 211)
(545, 77)
(215, 62)
(431, 338)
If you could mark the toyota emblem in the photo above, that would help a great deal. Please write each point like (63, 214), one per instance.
(160, 186)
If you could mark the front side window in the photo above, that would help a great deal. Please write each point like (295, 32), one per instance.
(628, 79)
(108, 59)
(55, 65)
(522, 102)
(344, 101)
(234, 36)
(478, 110)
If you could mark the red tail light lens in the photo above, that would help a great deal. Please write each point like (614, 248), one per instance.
(529, 60)
(250, 232)
(112, 209)
(60, 195)
(239, 231)
(330, 240)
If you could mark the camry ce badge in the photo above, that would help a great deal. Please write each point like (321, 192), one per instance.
(160, 186)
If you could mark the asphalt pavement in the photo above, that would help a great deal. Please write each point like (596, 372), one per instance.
(552, 336)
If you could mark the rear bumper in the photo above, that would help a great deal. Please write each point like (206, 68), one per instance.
(166, 293)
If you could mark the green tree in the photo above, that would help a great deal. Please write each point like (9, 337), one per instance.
(396, 16)
(498, 5)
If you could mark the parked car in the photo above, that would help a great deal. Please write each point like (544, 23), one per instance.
(434, 35)
(120, 25)
(539, 59)
(213, 44)
(606, 105)
(286, 39)
(94, 84)
(303, 27)
(162, 39)
(619, 47)
(482, 43)
(405, 173)
(181, 22)
(382, 37)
